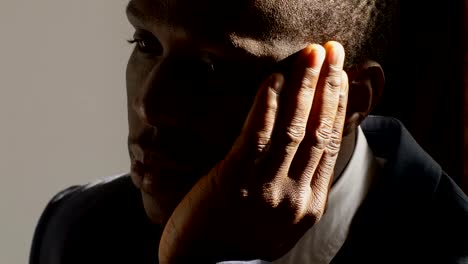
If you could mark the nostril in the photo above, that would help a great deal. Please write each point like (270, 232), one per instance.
(138, 167)
(142, 111)
(139, 108)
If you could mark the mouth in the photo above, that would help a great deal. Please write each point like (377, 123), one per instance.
(155, 171)
(169, 159)
(147, 159)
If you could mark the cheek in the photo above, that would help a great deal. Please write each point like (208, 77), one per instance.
(222, 115)
(232, 111)
(136, 73)
(222, 123)
(133, 78)
(133, 81)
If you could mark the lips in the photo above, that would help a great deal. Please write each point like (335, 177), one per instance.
(166, 143)
(154, 161)
(139, 154)
(166, 159)
(156, 169)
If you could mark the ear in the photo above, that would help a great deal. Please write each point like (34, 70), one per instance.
(366, 84)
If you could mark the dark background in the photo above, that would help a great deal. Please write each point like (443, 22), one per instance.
(425, 89)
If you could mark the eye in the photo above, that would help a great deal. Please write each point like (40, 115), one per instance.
(206, 65)
(146, 43)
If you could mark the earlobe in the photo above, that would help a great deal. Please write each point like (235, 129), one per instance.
(366, 84)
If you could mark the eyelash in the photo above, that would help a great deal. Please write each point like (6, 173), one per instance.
(146, 46)
(137, 43)
(153, 48)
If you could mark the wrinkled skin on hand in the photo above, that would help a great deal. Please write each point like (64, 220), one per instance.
(273, 185)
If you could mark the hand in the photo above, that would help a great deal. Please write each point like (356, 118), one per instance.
(273, 185)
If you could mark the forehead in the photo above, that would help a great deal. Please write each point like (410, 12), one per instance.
(259, 27)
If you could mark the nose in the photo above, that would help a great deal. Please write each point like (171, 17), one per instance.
(159, 98)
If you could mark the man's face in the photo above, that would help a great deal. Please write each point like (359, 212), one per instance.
(191, 81)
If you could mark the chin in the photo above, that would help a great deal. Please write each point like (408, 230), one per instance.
(165, 177)
(162, 190)
(158, 209)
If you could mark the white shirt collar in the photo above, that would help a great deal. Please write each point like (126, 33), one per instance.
(321, 243)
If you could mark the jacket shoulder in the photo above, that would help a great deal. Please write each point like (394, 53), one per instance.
(84, 223)
(450, 216)
(414, 209)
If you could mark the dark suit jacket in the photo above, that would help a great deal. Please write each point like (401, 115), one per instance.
(414, 213)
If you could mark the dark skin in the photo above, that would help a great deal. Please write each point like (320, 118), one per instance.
(223, 126)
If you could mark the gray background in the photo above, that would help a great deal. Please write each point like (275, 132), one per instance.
(62, 106)
(62, 99)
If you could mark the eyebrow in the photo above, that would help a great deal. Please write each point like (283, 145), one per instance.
(135, 14)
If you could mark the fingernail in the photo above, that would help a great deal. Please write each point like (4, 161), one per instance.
(316, 57)
(335, 55)
(276, 82)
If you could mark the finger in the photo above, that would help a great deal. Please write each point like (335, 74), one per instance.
(258, 127)
(322, 117)
(293, 113)
(321, 181)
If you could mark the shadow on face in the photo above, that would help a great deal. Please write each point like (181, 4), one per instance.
(191, 81)
(189, 92)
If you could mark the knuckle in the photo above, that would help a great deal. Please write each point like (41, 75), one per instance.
(325, 129)
(311, 218)
(311, 72)
(310, 75)
(271, 195)
(294, 206)
(334, 78)
(334, 144)
(322, 135)
(334, 147)
(306, 82)
(275, 90)
(294, 134)
(342, 106)
(314, 214)
(262, 144)
(287, 200)
(335, 70)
